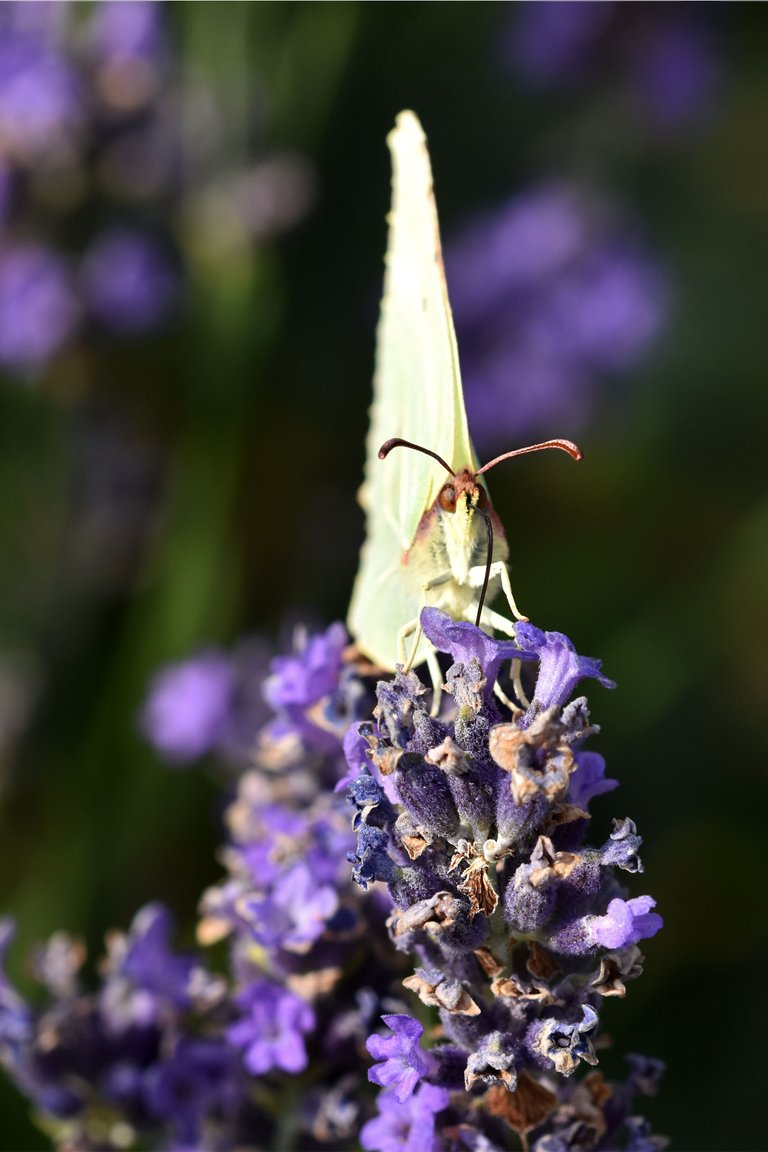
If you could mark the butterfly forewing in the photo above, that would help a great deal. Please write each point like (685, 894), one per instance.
(417, 396)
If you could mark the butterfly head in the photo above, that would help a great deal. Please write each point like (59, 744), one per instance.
(461, 497)
(463, 493)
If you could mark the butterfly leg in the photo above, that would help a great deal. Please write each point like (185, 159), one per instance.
(498, 568)
(491, 619)
(517, 680)
(413, 626)
(408, 630)
(500, 694)
(437, 681)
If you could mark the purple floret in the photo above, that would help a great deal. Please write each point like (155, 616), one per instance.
(189, 706)
(271, 1031)
(403, 1064)
(131, 283)
(38, 307)
(626, 922)
(407, 1126)
(560, 667)
(308, 676)
(40, 97)
(463, 641)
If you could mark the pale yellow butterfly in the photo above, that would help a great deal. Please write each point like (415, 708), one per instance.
(427, 536)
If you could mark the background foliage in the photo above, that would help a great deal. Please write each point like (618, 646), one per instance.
(190, 485)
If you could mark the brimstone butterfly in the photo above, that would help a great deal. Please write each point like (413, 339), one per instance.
(427, 535)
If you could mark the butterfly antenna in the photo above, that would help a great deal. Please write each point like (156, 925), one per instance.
(488, 561)
(396, 442)
(568, 446)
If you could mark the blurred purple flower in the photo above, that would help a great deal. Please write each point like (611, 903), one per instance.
(671, 60)
(43, 20)
(294, 914)
(130, 281)
(125, 30)
(15, 1016)
(145, 980)
(130, 53)
(677, 74)
(552, 43)
(38, 309)
(188, 707)
(40, 98)
(305, 678)
(271, 1032)
(194, 1080)
(407, 1126)
(549, 295)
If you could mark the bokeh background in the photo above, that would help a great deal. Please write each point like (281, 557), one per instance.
(192, 204)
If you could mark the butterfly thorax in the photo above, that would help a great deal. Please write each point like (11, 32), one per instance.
(452, 537)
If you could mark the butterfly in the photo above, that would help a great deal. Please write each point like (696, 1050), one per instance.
(432, 535)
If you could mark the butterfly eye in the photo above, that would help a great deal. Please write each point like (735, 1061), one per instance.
(482, 497)
(447, 498)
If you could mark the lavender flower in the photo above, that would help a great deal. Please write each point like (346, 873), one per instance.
(189, 706)
(38, 307)
(130, 282)
(514, 929)
(560, 667)
(464, 642)
(272, 1028)
(304, 689)
(625, 922)
(550, 296)
(550, 44)
(403, 1064)
(677, 75)
(40, 97)
(668, 61)
(405, 1126)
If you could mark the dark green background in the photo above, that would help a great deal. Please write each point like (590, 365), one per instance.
(652, 554)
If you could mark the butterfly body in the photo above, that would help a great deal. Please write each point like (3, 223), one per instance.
(452, 539)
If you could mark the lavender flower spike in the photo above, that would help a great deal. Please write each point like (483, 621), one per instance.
(499, 899)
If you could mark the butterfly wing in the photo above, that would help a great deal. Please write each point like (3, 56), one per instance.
(417, 396)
